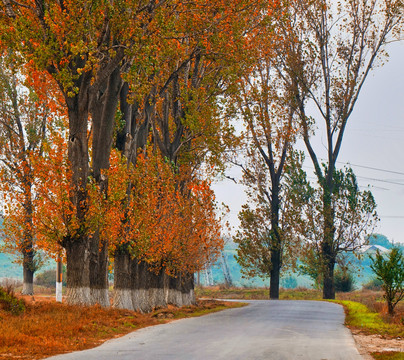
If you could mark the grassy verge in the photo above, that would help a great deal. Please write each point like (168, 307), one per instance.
(358, 316)
(47, 328)
(388, 356)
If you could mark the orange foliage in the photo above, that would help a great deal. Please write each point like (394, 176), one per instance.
(168, 218)
(55, 216)
(26, 115)
(165, 222)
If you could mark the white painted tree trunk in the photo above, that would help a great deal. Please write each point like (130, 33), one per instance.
(140, 300)
(100, 296)
(123, 299)
(59, 287)
(27, 288)
(78, 296)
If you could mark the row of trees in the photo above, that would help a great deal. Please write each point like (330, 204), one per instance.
(115, 112)
(124, 125)
(308, 75)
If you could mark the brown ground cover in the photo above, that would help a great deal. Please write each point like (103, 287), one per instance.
(47, 328)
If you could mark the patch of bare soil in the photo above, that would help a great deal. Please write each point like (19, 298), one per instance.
(367, 344)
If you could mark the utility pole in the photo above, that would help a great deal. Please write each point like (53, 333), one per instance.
(59, 279)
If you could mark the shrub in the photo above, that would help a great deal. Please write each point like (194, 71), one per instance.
(10, 303)
(289, 282)
(390, 270)
(374, 284)
(343, 280)
(10, 283)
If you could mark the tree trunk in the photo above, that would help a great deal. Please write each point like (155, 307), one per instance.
(99, 271)
(187, 289)
(275, 274)
(156, 289)
(76, 244)
(328, 282)
(276, 246)
(28, 279)
(122, 280)
(78, 280)
(140, 286)
(327, 253)
(103, 109)
(174, 290)
(28, 251)
(390, 307)
(128, 292)
(28, 265)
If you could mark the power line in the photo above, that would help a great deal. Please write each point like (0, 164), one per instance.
(392, 216)
(367, 178)
(381, 180)
(374, 187)
(372, 168)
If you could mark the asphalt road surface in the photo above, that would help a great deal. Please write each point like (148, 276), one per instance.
(276, 330)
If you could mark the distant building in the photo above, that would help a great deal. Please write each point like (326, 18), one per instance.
(373, 248)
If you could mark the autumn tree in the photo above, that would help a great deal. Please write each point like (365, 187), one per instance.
(263, 102)
(25, 116)
(82, 45)
(327, 51)
(160, 235)
(86, 47)
(181, 107)
(65, 39)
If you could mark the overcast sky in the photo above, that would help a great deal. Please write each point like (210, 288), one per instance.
(374, 138)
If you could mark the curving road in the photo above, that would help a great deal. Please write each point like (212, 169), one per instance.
(278, 330)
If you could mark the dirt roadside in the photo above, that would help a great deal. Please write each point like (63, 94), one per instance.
(368, 344)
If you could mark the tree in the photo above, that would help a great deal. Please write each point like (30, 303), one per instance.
(354, 216)
(37, 31)
(82, 46)
(25, 116)
(390, 270)
(88, 48)
(327, 51)
(263, 101)
(160, 232)
(181, 107)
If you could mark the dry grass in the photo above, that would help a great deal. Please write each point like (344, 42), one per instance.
(217, 292)
(47, 328)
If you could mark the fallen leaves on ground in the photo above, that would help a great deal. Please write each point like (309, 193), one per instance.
(47, 328)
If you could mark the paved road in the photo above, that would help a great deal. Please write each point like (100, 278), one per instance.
(278, 330)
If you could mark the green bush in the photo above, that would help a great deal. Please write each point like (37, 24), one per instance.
(289, 282)
(9, 302)
(343, 281)
(390, 270)
(374, 284)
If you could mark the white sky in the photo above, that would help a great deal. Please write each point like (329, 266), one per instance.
(373, 138)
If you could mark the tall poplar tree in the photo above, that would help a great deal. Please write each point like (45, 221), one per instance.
(327, 50)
